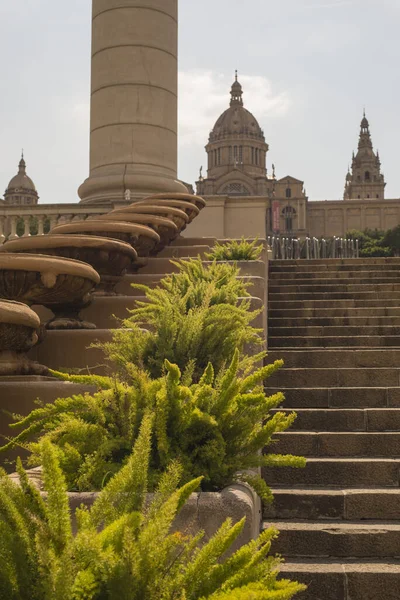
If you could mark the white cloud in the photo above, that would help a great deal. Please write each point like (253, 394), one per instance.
(204, 95)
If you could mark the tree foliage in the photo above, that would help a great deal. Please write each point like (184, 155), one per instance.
(124, 548)
(216, 427)
(236, 250)
(197, 316)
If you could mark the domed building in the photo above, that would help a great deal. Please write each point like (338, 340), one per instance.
(236, 152)
(21, 190)
(237, 158)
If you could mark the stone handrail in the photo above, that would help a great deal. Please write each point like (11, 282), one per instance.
(56, 214)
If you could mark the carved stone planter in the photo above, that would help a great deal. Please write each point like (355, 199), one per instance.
(196, 200)
(176, 215)
(19, 327)
(60, 284)
(143, 239)
(190, 210)
(166, 228)
(205, 511)
(110, 258)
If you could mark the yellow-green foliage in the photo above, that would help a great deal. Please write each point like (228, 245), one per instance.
(124, 549)
(216, 427)
(199, 315)
(234, 250)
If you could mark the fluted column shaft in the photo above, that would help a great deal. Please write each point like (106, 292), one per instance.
(133, 129)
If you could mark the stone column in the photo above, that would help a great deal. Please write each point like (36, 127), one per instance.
(41, 225)
(133, 129)
(2, 229)
(13, 223)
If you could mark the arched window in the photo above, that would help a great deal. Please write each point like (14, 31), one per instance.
(256, 156)
(289, 215)
(230, 155)
(288, 193)
(241, 155)
(367, 176)
(219, 156)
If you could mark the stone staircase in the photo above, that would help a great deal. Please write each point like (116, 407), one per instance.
(336, 324)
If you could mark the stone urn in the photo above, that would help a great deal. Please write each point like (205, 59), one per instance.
(19, 327)
(142, 238)
(189, 209)
(110, 258)
(166, 228)
(176, 215)
(192, 198)
(61, 284)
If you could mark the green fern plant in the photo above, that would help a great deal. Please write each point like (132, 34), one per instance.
(216, 427)
(197, 316)
(124, 548)
(236, 250)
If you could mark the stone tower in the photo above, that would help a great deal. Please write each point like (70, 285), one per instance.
(21, 190)
(236, 152)
(133, 121)
(365, 180)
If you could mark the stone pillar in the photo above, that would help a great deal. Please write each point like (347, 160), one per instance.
(2, 230)
(13, 234)
(40, 225)
(133, 129)
(27, 227)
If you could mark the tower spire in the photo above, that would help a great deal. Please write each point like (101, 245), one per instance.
(236, 92)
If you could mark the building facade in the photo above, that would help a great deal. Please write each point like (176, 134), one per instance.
(237, 175)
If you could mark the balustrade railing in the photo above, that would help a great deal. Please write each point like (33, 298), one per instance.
(23, 221)
(287, 248)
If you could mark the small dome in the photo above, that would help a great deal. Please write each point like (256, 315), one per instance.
(364, 122)
(21, 180)
(236, 120)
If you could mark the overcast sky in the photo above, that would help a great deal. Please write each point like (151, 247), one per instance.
(308, 67)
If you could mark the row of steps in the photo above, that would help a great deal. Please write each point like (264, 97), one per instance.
(336, 325)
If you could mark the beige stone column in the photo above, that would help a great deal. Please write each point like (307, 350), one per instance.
(133, 129)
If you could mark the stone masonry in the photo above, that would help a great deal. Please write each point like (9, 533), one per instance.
(336, 324)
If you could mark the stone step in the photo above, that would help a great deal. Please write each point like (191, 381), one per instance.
(336, 377)
(322, 313)
(376, 341)
(328, 539)
(256, 284)
(330, 277)
(314, 330)
(165, 266)
(190, 241)
(344, 295)
(327, 503)
(335, 288)
(338, 472)
(330, 358)
(345, 579)
(335, 304)
(339, 444)
(175, 252)
(351, 397)
(335, 321)
(331, 263)
(345, 419)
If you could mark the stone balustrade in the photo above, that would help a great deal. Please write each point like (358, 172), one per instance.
(44, 216)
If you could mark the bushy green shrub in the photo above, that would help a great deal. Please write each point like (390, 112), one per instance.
(197, 316)
(236, 250)
(216, 428)
(124, 549)
(371, 243)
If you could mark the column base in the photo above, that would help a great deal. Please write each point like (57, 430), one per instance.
(107, 189)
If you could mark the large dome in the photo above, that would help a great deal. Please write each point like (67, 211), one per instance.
(21, 180)
(236, 120)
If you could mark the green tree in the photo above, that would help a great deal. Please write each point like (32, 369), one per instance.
(124, 548)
